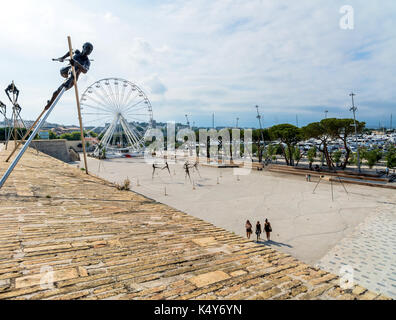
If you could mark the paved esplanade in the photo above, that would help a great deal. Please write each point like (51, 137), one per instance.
(371, 252)
(66, 235)
(306, 225)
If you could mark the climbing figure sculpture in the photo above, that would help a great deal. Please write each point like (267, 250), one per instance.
(80, 62)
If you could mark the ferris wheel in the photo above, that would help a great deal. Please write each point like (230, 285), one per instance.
(117, 114)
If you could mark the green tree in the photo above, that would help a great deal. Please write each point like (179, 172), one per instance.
(311, 155)
(343, 129)
(76, 136)
(323, 131)
(52, 135)
(66, 136)
(333, 128)
(289, 136)
(254, 149)
(260, 137)
(318, 130)
(390, 157)
(297, 155)
(352, 158)
(271, 151)
(372, 157)
(336, 156)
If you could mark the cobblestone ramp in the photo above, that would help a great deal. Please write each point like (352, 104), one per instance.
(370, 251)
(66, 235)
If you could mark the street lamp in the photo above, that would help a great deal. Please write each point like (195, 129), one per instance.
(354, 109)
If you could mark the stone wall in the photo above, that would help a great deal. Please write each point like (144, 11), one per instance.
(54, 148)
(76, 145)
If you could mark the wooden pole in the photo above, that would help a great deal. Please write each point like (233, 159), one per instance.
(78, 106)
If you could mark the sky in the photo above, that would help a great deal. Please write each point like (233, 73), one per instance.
(199, 57)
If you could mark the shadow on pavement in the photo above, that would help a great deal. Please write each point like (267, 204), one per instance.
(274, 243)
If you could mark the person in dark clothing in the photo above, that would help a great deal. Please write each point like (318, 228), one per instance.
(248, 229)
(80, 62)
(258, 230)
(268, 229)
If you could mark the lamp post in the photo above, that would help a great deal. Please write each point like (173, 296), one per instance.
(261, 132)
(354, 109)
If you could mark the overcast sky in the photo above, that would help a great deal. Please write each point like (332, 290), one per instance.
(203, 56)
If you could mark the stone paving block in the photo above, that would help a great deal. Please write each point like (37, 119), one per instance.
(37, 279)
(209, 278)
(238, 273)
(204, 242)
(358, 290)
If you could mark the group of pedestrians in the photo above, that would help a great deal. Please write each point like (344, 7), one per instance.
(267, 229)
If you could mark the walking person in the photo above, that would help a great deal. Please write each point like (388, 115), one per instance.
(258, 230)
(248, 226)
(268, 229)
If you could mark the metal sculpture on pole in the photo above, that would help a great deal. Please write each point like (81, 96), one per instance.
(16, 120)
(3, 111)
(78, 63)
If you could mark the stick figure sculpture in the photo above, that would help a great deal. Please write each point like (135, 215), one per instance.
(3, 112)
(3, 108)
(12, 89)
(80, 62)
(16, 122)
(162, 168)
(187, 166)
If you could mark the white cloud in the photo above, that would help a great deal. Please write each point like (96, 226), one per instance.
(202, 56)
